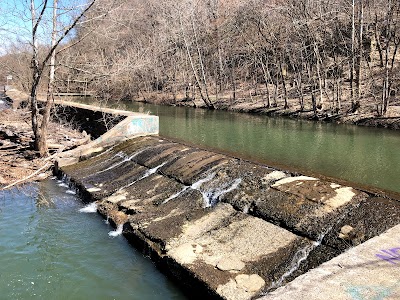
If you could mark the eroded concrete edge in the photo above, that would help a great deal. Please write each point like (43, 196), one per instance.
(368, 271)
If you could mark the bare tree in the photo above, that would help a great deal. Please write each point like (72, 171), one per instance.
(40, 116)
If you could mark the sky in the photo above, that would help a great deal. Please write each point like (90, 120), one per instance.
(16, 25)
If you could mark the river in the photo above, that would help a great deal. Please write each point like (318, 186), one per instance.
(51, 250)
(369, 157)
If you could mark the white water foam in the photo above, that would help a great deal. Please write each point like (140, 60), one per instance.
(302, 254)
(199, 183)
(211, 198)
(147, 174)
(63, 184)
(194, 186)
(71, 192)
(117, 231)
(124, 157)
(90, 208)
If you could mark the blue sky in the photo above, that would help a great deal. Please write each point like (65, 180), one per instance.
(15, 21)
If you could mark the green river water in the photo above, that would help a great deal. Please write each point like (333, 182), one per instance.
(54, 251)
(362, 155)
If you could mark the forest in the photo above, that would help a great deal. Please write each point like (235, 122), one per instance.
(335, 57)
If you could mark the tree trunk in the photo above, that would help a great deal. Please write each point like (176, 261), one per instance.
(352, 63)
(36, 74)
(378, 42)
(196, 76)
(42, 142)
(360, 50)
(318, 59)
(285, 94)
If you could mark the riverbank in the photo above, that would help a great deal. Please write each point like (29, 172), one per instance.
(105, 126)
(19, 163)
(365, 114)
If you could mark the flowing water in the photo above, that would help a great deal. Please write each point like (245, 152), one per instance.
(52, 248)
(367, 156)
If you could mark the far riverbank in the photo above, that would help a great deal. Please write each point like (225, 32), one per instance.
(364, 115)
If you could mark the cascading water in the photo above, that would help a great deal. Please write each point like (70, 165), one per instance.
(117, 231)
(63, 184)
(105, 152)
(302, 254)
(211, 197)
(124, 157)
(145, 175)
(113, 166)
(176, 195)
(198, 184)
(90, 208)
(194, 186)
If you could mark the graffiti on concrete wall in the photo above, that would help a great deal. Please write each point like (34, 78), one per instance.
(143, 125)
(370, 292)
(392, 255)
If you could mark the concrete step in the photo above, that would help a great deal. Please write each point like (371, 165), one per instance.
(224, 227)
(368, 271)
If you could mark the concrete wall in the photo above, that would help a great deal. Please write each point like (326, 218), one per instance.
(126, 125)
(96, 121)
(106, 126)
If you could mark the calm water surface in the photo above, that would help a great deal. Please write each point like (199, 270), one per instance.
(54, 251)
(367, 156)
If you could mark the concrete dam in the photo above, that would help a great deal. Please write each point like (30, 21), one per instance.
(223, 227)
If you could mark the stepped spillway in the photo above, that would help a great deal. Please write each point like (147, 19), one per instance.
(225, 227)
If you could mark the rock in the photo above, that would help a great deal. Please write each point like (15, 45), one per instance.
(273, 176)
(345, 232)
(292, 179)
(230, 264)
(243, 287)
(42, 176)
(250, 283)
